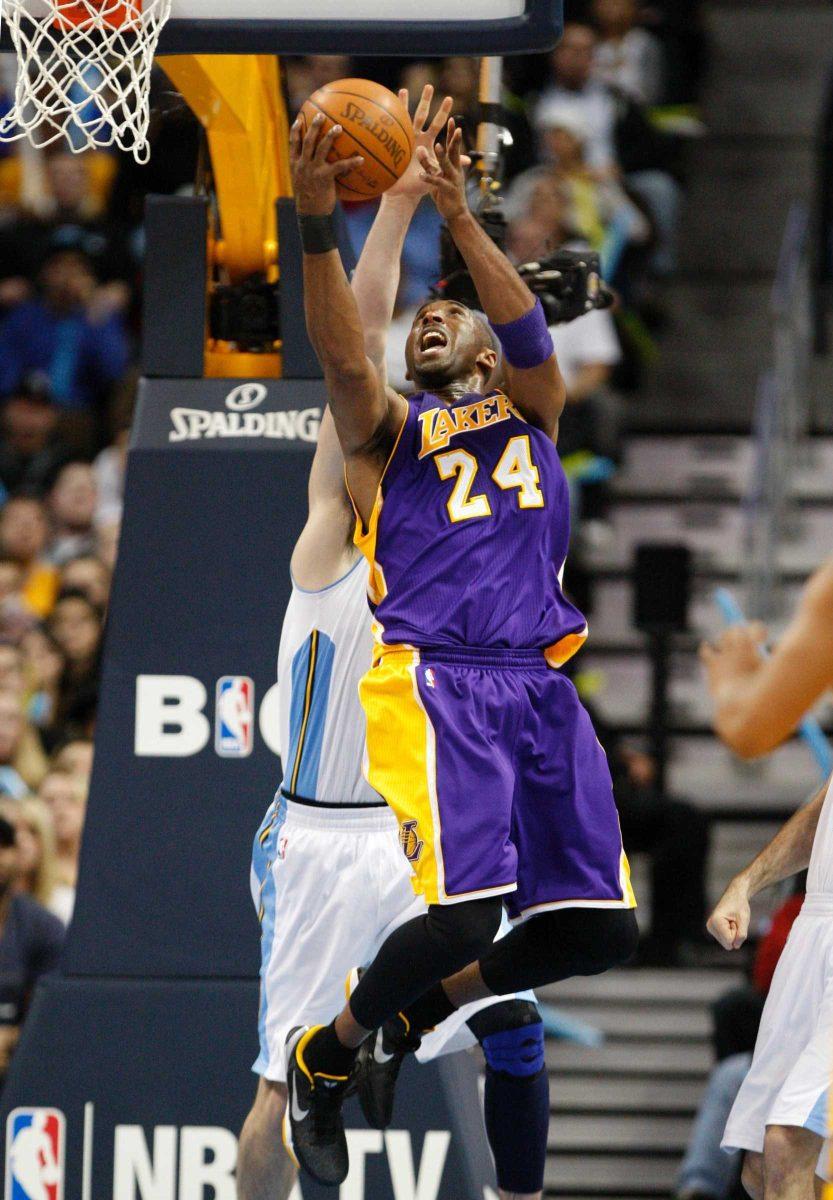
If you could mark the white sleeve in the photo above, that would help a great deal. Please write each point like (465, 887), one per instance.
(593, 339)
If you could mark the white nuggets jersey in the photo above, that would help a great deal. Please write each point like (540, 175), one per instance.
(820, 873)
(326, 647)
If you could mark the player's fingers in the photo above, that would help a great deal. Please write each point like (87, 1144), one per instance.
(422, 109)
(345, 165)
(440, 117)
(721, 930)
(427, 160)
(325, 143)
(311, 137)
(455, 148)
(295, 138)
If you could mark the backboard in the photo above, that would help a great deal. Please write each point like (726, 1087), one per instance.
(422, 28)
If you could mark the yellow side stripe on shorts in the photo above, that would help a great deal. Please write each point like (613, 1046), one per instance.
(299, 753)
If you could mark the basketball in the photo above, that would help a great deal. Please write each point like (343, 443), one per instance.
(376, 125)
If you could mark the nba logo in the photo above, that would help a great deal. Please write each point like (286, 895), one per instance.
(35, 1154)
(234, 729)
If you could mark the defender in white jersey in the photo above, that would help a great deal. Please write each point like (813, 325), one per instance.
(329, 878)
(780, 1116)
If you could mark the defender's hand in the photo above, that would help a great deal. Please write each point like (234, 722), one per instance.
(445, 174)
(313, 178)
(734, 656)
(729, 923)
(411, 184)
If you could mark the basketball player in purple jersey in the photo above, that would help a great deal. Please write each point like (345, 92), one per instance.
(475, 739)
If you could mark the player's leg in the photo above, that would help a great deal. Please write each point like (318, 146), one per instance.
(264, 1169)
(516, 1101)
(790, 1157)
(752, 1174)
(545, 949)
(460, 853)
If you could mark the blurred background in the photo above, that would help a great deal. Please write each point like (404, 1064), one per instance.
(689, 143)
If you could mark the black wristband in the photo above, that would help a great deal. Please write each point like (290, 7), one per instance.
(318, 234)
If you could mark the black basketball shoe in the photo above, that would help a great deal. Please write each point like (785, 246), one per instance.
(313, 1127)
(379, 1061)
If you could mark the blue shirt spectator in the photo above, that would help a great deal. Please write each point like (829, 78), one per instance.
(72, 334)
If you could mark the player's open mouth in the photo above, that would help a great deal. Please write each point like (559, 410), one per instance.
(433, 339)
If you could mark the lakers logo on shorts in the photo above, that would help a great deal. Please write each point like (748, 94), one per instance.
(410, 840)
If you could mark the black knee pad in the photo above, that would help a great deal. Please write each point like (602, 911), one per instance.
(469, 928)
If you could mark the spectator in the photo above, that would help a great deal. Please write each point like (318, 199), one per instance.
(76, 624)
(30, 944)
(619, 137)
(573, 89)
(68, 217)
(44, 666)
(38, 857)
(66, 798)
(16, 618)
(109, 468)
(107, 543)
(627, 57)
(75, 757)
(11, 668)
(89, 575)
(31, 449)
(600, 211)
(24, 533)
(22, 761)
(72, 333)
(72, 506)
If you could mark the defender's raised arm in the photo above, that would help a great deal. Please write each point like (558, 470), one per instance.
(535, 382)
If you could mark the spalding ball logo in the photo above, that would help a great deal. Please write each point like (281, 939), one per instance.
(246, 396)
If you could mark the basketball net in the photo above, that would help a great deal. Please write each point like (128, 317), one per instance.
(83, 72)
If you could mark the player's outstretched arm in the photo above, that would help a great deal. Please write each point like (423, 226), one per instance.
(758, 701)
(367, 414)
(787, 854)
(535, 382)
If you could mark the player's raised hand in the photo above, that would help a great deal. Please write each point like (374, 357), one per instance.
(313, 175)
(735, 655)
(444, 172)
(729, 923)
(425, 134)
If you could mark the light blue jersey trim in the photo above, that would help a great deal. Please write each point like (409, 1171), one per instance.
(263, 856)
(330, 586)
(307, 782)
(311, 674)
(816, 1122)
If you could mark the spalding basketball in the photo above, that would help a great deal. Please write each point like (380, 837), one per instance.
(375, 124)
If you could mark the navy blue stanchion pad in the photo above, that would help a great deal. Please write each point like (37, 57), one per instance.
(213, 506)
(152, 1081)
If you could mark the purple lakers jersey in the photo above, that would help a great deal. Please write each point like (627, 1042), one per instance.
(469, 533)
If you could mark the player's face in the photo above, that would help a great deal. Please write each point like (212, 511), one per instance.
(443, 345)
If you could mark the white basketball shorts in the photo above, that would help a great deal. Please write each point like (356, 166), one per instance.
(792, 1066)
(329, 885)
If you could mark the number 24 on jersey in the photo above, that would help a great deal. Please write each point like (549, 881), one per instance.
(515, 470)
